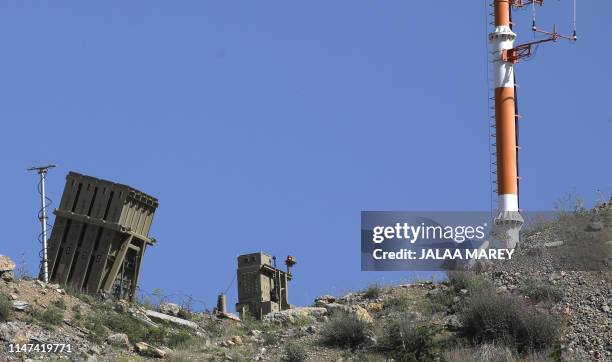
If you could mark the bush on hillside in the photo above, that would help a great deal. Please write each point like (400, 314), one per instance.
(467, 280)
(539, 290)
(489, 317)
(294, 352)
(408, 340)
(49, 317)
(346, 330)
(373, 291)
(6, 308)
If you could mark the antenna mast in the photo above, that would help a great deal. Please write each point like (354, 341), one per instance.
(42, 216)
(505, 55)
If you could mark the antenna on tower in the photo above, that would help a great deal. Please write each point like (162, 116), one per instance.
(42, 216)
(523, 51)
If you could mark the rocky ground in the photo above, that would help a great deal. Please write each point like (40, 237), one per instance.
(438, 327)
(586, 300)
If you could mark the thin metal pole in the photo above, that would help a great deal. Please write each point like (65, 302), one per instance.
(43, 221)
(42, 172)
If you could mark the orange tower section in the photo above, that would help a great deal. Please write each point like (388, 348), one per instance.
(508, 220)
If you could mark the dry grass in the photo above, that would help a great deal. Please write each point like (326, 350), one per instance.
(482, 353)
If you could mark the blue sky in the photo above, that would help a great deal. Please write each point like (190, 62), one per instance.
(270, 125)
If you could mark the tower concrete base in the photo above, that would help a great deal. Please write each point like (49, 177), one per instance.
(505, 234)
(506, 229)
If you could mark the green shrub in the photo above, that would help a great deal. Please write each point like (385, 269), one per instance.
(129, 325)
(294, 352)
(470, 281)
(83, 297)
(269, 338)
(437, 302)
(181, 338)
(399, 302)
(155, 335)
(538, 331)
(373, 291)
(185, 314)
(499, 318)
(490, 317)
(76, 309)
(95, 325)
(213, 328)
(539, 290)
(135, 329)
(346, 330)
(301, 320)
(49, 317)
(408, 340)
(59, 304)
(6, 308)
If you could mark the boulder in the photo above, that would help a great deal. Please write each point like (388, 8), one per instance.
(356, 310)
(324, 299)
(6, 264)
(595, 226)
(255, 333)
(375, 307)
(290, 316)
(139, 314)
(20, 305)
(309, 329)
(171, 319)
(237, 340)
(170, 309)
(453, 323)
(227, 315)
(349, 298)
(145, 349)
(337, 307)
(122, 306)
(118, 340)
(362, 314)
(555, 276)
(7, 276)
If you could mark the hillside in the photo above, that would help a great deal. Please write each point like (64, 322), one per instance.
(524, 310)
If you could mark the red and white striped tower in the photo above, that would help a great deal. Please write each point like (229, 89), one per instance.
(508, 220)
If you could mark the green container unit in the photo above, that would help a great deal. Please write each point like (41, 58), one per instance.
(100, 235)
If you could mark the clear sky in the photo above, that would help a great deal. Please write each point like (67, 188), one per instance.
(269, 125)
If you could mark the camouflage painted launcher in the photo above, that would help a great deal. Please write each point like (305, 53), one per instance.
(100, 236)
(262, 288)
